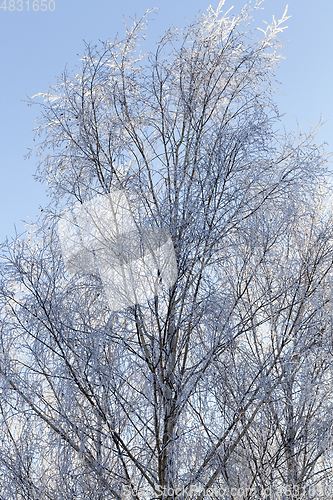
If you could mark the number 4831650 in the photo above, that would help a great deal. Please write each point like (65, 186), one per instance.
(26, 5)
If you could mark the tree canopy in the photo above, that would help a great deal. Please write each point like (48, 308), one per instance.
(220, 382)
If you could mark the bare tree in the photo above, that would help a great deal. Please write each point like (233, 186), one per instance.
(287, 448)
(194, 388)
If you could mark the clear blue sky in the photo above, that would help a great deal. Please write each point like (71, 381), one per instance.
(35, 46)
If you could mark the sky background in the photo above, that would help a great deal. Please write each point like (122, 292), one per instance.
(35, 46)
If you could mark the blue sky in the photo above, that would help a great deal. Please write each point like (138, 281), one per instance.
(36, 46)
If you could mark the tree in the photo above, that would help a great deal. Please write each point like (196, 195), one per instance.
(206, 384)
